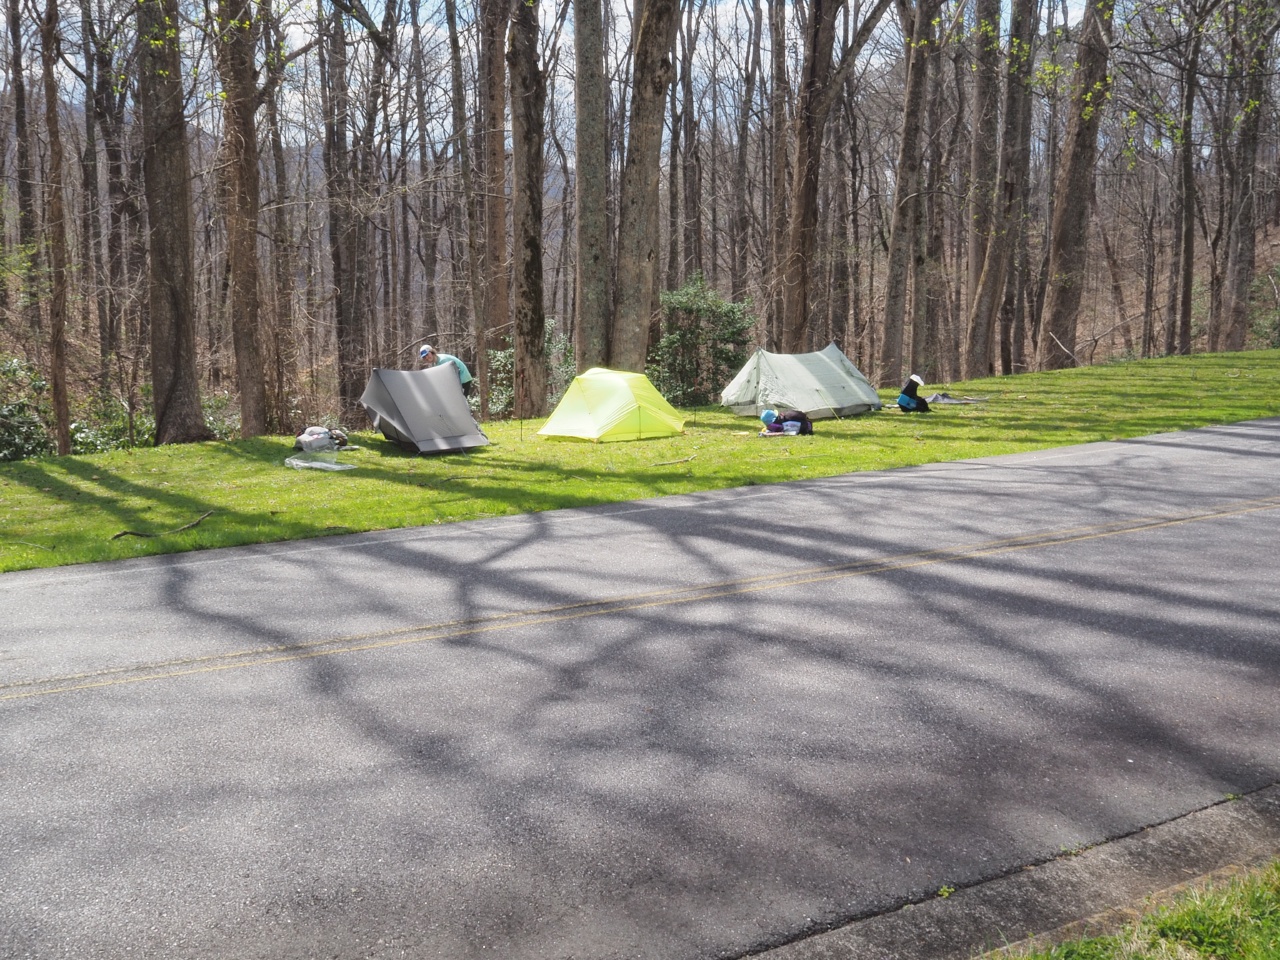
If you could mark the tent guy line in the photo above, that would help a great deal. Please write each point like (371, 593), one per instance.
(383, 640)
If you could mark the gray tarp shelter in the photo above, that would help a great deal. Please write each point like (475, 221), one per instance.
(422, 410)
(822, 384)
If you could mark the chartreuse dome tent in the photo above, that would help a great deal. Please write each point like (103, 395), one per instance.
(606, 405)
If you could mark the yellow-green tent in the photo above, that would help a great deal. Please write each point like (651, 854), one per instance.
(612, 405)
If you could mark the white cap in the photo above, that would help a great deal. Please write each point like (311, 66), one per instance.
(917, 380)
(424, 350)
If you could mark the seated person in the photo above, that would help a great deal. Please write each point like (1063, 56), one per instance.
(776, 423)
(908, 400)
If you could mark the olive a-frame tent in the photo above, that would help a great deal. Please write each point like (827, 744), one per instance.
(822, 384)
(607, 405)
(422, 410)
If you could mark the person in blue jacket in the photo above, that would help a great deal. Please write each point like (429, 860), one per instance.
(909, 401)
(430, 358)
(776, 423)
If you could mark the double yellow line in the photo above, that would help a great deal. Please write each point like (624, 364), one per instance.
(382, 640)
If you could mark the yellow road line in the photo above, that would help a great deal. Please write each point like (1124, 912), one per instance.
(386, 639)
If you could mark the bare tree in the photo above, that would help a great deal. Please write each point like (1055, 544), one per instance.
(55, 228)
(740, 224)
(1004, 226)
(167, 178)
(237, 29)
(819, 87)
(638, 207)
(343, 216)
(472, 250)
(494, 15)
(1258, 27)
(1075, 184)
(28, 248)
(592, 302)
(528, 106)
(918, 22)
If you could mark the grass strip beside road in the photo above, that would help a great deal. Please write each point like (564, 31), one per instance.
(68, 510)
(1234, 920)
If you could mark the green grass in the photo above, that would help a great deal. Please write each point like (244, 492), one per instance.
(70, 509)
(1238, 920)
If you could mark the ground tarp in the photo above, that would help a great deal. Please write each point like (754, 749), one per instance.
(610, 405)
(822, 384)
(422, 410)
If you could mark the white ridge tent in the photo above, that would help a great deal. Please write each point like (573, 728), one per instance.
(821, 384)
(422, 410)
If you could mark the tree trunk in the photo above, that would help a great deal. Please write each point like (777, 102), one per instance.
(1068, 243)
(901, 233)
(929, 298)
(780, 144)
(28, 254)
(1187, 187)
(1241, 244)
(675, 124)
(91, 241)
(56, 230)
(167, 180)
(691, 167)
(592, 304)
(638, 213)
(494, 15)
(740, 224)
(282, 360)
(236, 32)
(1004, 227)
(1117, 287)
(342, 216)
(1149, 279)
(984, 140)
(123, 211)
(471, 199)
(528, 102)
(818, 89)
(838, 311)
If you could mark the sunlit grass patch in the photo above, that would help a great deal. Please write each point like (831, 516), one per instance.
(137, 502)
(1235, 920)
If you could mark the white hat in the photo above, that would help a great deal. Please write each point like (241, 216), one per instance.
(424, 350)
(917, 380)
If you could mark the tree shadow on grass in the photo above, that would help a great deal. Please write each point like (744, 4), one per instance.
(585, 760)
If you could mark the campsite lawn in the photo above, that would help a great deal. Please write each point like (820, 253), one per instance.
(81, 509)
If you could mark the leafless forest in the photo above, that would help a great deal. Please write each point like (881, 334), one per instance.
(255, 202)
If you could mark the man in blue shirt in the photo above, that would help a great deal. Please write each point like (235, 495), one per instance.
(430, 358)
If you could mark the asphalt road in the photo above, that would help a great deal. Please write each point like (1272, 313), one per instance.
(682, 728)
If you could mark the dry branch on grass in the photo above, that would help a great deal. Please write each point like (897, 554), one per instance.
(186, 526)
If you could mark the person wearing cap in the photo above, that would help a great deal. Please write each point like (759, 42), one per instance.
(909, 401)
(430, 358)
(785, 423)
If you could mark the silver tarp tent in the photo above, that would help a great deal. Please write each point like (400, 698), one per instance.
(822, 384)
(422, 410)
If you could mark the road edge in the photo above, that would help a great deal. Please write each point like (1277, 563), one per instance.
(1094, 891)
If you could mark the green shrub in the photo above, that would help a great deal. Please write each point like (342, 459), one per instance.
(24, 411)
(560, 371)
(222, 414)
(704, 343)
(105, 424)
